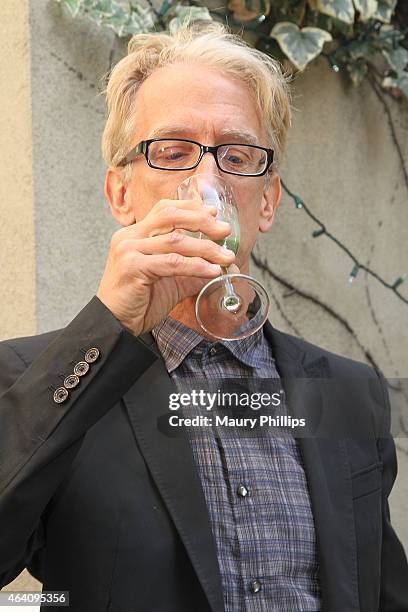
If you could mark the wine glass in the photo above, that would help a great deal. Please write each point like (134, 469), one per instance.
(231, 306)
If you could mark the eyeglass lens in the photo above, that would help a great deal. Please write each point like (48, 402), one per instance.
(178, 155)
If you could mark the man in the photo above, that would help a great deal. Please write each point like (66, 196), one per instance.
(98, 498)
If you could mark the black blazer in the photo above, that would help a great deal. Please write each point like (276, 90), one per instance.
(97, 500)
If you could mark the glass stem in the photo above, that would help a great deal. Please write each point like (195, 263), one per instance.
(230, 301)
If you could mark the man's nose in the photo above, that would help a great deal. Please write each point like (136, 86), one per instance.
(208, 165)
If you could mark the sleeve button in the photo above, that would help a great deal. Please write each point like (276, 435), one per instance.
(71, 381)
(92, 355)
(81, 368)
(60, 395)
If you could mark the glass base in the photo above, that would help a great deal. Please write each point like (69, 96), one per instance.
(232, 306)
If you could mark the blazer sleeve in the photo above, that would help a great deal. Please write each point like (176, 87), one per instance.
(394, 566)
(39, 437)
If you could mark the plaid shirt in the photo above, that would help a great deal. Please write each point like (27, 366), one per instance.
(255, 486)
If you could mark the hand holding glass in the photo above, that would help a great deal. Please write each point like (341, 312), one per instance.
(232, 306)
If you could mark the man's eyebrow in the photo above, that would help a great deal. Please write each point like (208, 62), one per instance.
(226, 134)
(240, 136)
(170, 130)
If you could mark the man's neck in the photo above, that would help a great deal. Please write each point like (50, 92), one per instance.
(184, 312)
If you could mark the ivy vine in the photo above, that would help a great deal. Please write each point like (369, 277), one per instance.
(362, 37)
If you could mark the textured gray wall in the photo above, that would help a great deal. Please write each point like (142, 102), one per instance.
(341, 159)
(72, 220)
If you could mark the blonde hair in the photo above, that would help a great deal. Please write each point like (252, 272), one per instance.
(210, 44)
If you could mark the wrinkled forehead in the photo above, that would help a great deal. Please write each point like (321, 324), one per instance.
(195, 100)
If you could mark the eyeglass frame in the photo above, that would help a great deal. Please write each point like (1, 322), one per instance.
(142, 147)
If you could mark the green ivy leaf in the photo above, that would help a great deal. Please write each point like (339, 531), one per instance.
(106, 7)
(385, 10)
(344, 28)
(113, 14)
(401, 83)
(123, 18)
(300, 45)
(388, 38)
(366, 8)
(96, 9)
(397, 58)
(340, 9)
(359, 49)
(188, 13)
(141, 21)
(74, 6)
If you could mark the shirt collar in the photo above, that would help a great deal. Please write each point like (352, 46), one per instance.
(175, 341)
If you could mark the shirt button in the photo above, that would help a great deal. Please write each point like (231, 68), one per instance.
(256, 586)
(242, 491)
(213, 350)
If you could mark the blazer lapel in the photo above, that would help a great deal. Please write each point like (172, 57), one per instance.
(328, 476)
(171, 463)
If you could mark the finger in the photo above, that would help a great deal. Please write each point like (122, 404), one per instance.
(170, 218)
(138, 229)
(153, 267)
(177, 242)
(191, 204)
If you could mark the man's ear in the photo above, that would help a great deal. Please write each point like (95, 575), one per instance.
(270, 201)
(118, 196)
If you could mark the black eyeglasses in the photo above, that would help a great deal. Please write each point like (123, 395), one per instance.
(182, 154)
